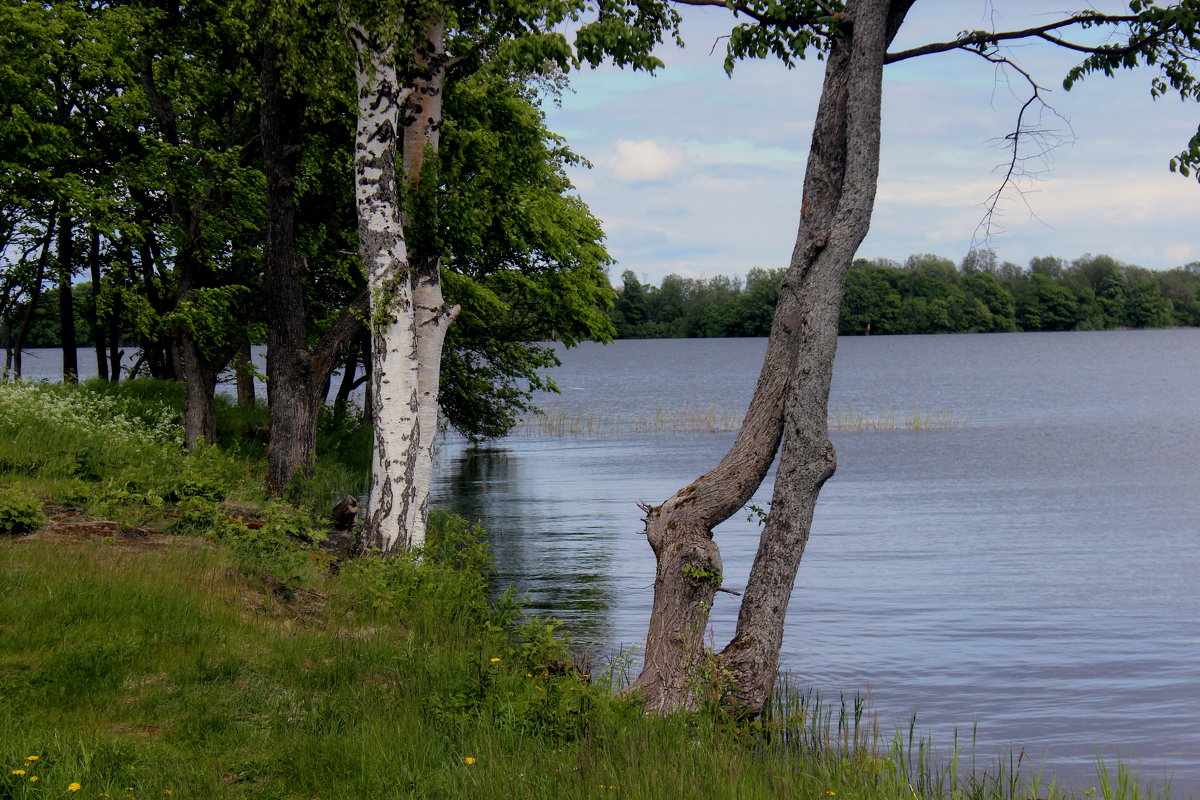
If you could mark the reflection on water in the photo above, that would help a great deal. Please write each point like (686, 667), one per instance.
(1032, 570)
(563, 570)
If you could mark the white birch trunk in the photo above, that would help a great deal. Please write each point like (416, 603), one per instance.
(422, 137)
(394, 517)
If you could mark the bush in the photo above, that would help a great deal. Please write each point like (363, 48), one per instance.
(445, 582)
(20, 511)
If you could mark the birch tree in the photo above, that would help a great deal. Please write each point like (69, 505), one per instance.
(788, 412)
(402, 67)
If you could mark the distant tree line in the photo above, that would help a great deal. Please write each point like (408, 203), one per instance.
(45, 321)
(696, 307)
(927, 294)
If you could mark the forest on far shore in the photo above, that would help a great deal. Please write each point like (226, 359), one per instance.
(926, 294)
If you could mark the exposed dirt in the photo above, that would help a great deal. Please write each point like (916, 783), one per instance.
(68, 526)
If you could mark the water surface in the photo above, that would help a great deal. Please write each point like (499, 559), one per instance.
(1031, 568)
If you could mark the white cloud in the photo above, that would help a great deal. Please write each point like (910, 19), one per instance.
(643, 161)
(714, 165)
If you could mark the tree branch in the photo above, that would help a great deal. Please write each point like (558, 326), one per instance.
(763, 18)
(1015, 167)
(1132, 47)
(975, 40)
(339, 334)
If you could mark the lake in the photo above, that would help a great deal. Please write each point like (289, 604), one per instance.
(1027, 563)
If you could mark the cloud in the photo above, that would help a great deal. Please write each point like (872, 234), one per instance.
(644, 161)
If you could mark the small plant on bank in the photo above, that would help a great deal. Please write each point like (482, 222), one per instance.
(20, 511)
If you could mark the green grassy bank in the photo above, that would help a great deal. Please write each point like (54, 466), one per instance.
(168, 633)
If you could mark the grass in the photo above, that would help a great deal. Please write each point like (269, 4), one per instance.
(160, 672)
(211, 659)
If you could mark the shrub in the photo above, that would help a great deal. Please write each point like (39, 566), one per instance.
(20, 511)
(446, 579)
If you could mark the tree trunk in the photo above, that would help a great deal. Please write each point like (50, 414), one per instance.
(348, 381)
(66, 303)
(409, 316)
(433, 317)
(116, 314)
(297, 374)
(790, 402)
(154, 350)
(290, 391)
(244, 366)
(365, 358)
(35, 293)
(97, 324)
(199, 389)
(390, 518)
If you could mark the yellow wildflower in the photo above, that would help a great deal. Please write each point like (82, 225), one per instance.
(18, 772)
(33, 778)
(469, 759)
(74, 787)
(494, 660)
(32, 758)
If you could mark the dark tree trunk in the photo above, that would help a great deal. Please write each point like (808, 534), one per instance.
(97, 323)
(290, 379)
(35, 294)
(199, 389)
(789, 403)
(296, 374)
(114, 341)
(66, 301)
(348, 383)
(245, 374)
(156, 352)
(365, 357)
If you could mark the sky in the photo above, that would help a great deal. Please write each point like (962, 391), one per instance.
(699, 174)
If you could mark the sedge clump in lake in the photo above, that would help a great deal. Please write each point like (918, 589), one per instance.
(598, 422)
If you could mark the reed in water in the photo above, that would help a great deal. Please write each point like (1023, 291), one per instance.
(597, 422)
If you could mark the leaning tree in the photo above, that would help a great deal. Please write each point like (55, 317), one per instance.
(788, 412)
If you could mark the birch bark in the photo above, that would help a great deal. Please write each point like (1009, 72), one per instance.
(409, 315)
(433, 316)
(394, 392)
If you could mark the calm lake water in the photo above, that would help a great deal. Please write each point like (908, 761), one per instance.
(1031, 568)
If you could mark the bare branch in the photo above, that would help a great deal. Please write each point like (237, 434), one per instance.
(1016, 169)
